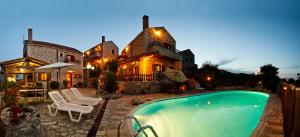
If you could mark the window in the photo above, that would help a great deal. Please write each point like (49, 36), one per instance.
(112, 51)
(61, 54)
(156, 68)
(186, 59)
(70, 58)
(43, 77)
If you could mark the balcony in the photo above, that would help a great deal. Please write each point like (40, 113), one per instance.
(72, 61)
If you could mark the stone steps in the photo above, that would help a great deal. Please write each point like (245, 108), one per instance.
(273, 130)
(274, 122)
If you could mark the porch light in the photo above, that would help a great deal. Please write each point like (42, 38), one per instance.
(88, 66)
(93, 68)
(208, 78)
(182, 88)
(285, 88)
(21, 70)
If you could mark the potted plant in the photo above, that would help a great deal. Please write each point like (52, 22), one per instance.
(10, 98)
(54, 85)
(65, 82)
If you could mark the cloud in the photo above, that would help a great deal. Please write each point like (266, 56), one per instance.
(226, 61)
(292, 67)
(239, 70)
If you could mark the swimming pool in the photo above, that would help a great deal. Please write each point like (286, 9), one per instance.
(233, 113)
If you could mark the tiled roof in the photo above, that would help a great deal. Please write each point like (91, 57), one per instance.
(54, 45)
(23, 59)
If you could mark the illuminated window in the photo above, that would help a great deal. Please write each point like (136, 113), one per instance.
(43, 77)
(156, 68)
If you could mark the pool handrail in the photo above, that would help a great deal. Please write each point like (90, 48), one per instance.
(145, 127)
(136, 120)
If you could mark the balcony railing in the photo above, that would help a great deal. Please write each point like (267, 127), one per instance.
(138, 77)
(70, 61)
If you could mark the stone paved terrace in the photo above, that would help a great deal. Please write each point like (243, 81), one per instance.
(117, 109)
(271, 124)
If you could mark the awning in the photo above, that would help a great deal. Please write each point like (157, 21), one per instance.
(175, 75)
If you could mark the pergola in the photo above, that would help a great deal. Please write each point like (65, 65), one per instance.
(21, 67)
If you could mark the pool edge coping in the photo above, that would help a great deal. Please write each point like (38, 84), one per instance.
(262, 120)
(255, 133)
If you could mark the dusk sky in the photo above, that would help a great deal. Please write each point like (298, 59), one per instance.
(239, 35)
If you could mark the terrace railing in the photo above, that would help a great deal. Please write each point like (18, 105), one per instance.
(139, 77)
(290, 98)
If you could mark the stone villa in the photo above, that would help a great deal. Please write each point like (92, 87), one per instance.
(40, 53)
(98, 56)
(152, 50)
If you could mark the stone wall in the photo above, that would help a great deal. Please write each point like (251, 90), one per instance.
(138, 87)
(51, 55)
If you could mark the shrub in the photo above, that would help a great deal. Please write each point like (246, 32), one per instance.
(65, 82)
(110, 82)
(10, 97)
(39, 85)
(95, 83)
(79, 84)
(11, 84)
(112, 66)
(2, 86)
(54, 85)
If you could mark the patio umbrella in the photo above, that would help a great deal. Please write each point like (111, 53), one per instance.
(58, 66)
(175, 75)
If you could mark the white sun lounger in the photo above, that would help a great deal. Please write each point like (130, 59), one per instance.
(198, 87)
(61, 104)
(76, 92)
(75, 100)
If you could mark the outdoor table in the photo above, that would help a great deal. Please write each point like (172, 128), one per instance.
(37, 94)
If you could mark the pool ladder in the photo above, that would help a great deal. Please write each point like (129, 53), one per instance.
(141, 129)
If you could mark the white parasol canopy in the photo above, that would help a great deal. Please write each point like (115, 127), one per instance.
(58, 66)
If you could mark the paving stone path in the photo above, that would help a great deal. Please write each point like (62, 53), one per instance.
(273, 121)
(61, 126)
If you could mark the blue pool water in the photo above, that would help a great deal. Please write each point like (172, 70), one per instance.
(233, 113)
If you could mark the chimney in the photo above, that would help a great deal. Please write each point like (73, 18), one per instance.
(30, 34)
(145, 22)
(103, 39)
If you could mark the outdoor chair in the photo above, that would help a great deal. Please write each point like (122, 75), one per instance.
(198, 87)
(61, 104)
(76, 92)
(80, 101)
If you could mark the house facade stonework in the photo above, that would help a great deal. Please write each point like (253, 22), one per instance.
(52, 53)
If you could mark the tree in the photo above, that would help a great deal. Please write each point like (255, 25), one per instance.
(110, 82)
(112, 66)
(269, 76)
(208, 74)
